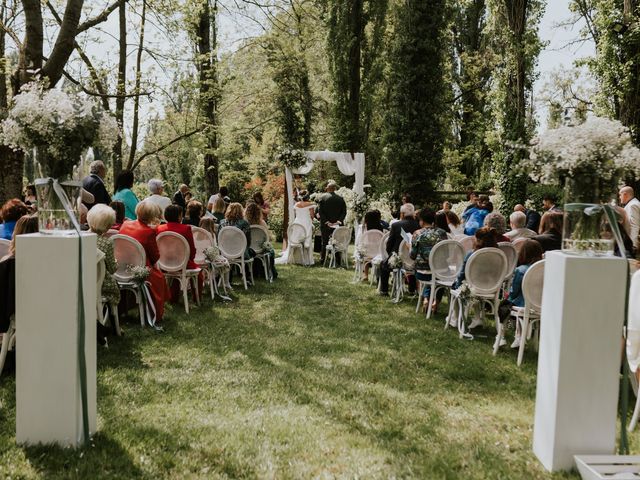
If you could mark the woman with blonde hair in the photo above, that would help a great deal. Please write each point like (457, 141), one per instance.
(148, 215)
(209, 224)
(100, 219)
(254, 215)
(235, 218)
(219, 208)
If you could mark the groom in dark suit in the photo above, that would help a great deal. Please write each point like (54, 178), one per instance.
(332, 210)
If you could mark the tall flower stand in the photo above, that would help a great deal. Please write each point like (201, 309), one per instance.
(579, 358)
(48, 392)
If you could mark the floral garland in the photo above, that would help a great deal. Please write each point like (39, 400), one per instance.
(291, 158)
(62, 125)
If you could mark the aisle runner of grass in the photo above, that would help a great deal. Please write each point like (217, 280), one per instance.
(308, 377)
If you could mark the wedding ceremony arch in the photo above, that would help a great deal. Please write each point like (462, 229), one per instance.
(348, 164)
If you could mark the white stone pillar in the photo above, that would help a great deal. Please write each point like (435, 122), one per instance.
(579, 358)
(48, 403)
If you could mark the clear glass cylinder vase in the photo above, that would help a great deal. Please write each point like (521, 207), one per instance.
(53, 218)
(586, 229)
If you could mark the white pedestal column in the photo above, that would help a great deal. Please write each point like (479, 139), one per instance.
(579, 358)
(48, 403)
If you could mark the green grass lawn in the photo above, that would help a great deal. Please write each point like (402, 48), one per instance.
(311, 377)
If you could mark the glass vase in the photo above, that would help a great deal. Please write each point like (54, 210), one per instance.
(586, 230)
(53, 219)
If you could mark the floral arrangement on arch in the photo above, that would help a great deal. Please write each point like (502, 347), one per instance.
(292, 158)
(60, 124)
(600, 152)
(359, 205)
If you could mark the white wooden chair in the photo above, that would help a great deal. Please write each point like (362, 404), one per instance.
(298, 241)
(633, 343)
(369, 242)
(376, 263)
(445, 261)
(4, 247)
(342, 238)
(111, 232)
(468, 242)
(129, 252)
(203, 240)
(232, 243)
(518, 242)
(399, 274)
(527, 316)
(484, 273)
(260, 235)
(174, 257)
(512, 258)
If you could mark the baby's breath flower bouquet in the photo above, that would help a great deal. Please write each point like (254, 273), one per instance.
(139, 273)
(213, 255)
(395, 261)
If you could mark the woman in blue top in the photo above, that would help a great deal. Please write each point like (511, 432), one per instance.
(530, 253)
(486, 237)
(124, 183)
(12, 211)
(474, 217)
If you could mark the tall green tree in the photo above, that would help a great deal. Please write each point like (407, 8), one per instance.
(415, 130)
(515, 34)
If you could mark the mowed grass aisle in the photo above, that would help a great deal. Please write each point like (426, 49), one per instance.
(309, 377)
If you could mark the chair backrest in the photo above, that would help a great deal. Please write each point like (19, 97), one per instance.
(486, 270)
(370, 241)
(383, 245)
(101, 271)
(202, 240)
(512, 255)
(174, 252)
(468, 242)
(532, 285)
(297, 234)
(446, 259)
(259, 235)
(405, 254)
(342, 236)
(111, 232)
(517, 244)
(232, 242)
(4, 247)
(128, 252)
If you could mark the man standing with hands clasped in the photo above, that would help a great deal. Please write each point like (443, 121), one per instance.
(632, 208)
(332, 211)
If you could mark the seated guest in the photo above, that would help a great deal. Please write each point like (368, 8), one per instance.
(533, 217)
(455, 227)
(235, 218)
(253, 213)
(25, 224)
(442, 223)
(486, 237)
(373, 221)
(124, 184)
(473, 218)
(156, 188)
(94, 184)
(473, 198)
(194, 213)
(30, 197)
(496, 221)
(530, 253)
(12, 210)
(100, 219)
(173, 216)
(210, 225)
(258, 198)
(518, 220)
(118, 208)
(550, 237)
(409, 224)
(142, 229)
(423, 242)
(218, 209)
(446, 207)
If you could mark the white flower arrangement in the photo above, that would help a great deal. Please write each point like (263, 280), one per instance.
(61, 124)
(359, 205)
(217, 260)
(360, 253)
(599, 149)
(266, 246)
(291, 158)
(139, 274)
(395, 261)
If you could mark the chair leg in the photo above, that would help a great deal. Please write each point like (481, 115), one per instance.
(499, 334)
(184, 286)
(432, 296)
(244, 275)
(523, 337)
(634, 417)
(194, 282)
(116, 318)
(420, 290)
(212, 283)
(6, 340)
(140, 298)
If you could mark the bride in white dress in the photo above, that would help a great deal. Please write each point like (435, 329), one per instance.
(304, 214)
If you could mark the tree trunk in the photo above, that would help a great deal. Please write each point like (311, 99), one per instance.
(136, 100)
(207, 67)
(355, 63)
(121, 88)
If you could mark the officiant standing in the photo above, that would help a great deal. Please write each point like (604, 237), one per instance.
(332, 211)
